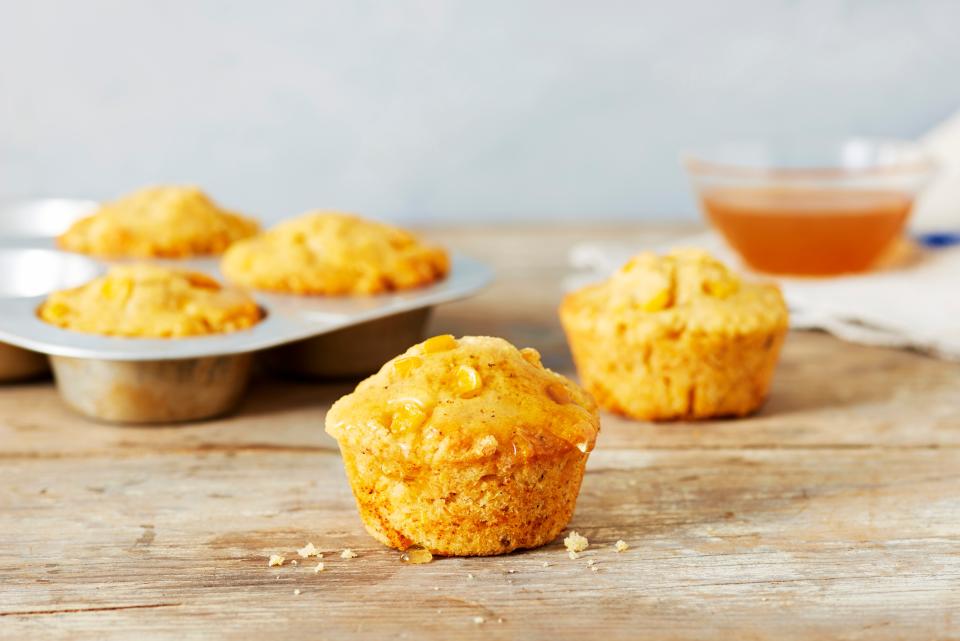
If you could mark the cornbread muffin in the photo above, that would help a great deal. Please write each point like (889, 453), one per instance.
(676, 336)
(158, 222)
(465, 447)
(334, 253)
(148, 301)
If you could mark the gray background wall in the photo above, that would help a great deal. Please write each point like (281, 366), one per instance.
(426, 109)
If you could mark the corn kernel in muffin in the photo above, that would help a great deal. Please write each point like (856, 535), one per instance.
(150, 301)
(676, 336)
(334, 253)
(458, 446)
(157, 222)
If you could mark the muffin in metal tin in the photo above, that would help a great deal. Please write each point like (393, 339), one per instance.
(148, 301)
(151, 301)
(334, 253)
(158, 222)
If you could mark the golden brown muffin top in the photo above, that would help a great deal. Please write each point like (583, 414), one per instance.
(158, 222)
(686, 289)
(148, 301)
(462, 400)
(334, 253)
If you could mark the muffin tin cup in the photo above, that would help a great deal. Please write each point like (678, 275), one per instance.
(351, 352)
(156, 391)
(18, 365)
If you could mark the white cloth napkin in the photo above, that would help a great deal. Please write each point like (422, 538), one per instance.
(938, 207)
(915, 306)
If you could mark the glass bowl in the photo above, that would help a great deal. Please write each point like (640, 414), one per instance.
(812, 209)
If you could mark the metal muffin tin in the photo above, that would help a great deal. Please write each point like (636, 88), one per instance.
(20, 365)
(143, 380)
(352, 351)
(26, 224)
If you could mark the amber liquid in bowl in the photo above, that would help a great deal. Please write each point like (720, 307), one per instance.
(810, 232)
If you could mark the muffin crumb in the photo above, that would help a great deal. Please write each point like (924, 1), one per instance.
(348, 554)
(318, 568)
(309, 550)
(621, 546)
(576, 543)
(296, 592)
(478, 620)
(276, 559)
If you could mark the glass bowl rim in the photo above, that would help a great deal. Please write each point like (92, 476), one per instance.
(697, 163)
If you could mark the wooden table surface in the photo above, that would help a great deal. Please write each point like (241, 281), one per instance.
(833, 514)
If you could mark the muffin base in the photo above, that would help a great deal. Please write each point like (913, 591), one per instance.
(477, 509)
(694, 376)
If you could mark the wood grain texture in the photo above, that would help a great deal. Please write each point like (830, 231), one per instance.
(834, 513)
